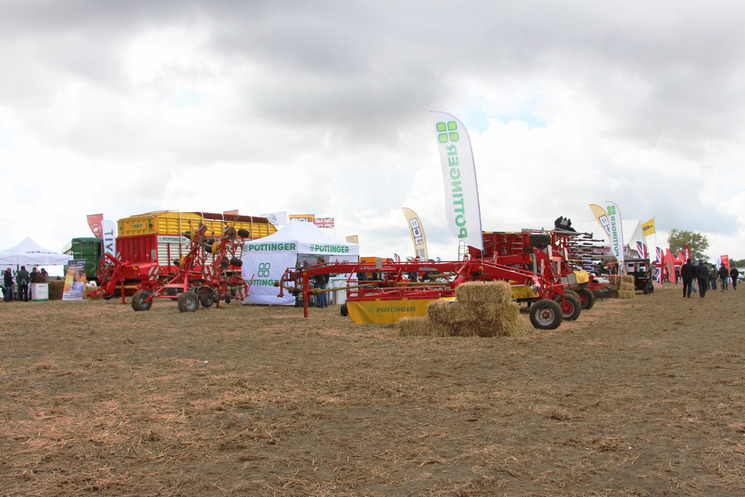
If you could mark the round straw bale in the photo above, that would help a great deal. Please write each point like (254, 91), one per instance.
(478, 292)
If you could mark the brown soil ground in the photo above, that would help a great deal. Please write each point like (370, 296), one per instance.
(641, 397)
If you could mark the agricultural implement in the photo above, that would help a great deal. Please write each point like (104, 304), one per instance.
(532, 280)
(207, 274)
(563, 255)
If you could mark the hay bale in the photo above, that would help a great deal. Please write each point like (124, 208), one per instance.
(479, 292)
(626, 294)
(506, 321)
(414, 326)
(449, 312)
(56, 287)
(421, 326)
(626, 286)
(629, 278)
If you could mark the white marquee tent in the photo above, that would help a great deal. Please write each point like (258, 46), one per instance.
(29, 253)
(266, 259)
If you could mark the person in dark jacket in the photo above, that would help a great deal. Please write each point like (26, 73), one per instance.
(723, 277)
(734, 273)
(702, 274)
(687, 273)
(8, 285)
(23, 279)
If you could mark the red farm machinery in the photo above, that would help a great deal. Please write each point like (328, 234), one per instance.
(207, 274)
(532, 277)
(179, 255)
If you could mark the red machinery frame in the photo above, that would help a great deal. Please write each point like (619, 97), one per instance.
(536, 272)
(208, 273)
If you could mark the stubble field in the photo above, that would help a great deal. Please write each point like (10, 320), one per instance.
(641, 397)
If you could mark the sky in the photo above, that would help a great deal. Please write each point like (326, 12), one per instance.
(323, 107)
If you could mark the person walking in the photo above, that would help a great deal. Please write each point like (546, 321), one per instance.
(734, 273)
(687, 273)
(723, 276)
(713, 275)
(23, 278)
(702, 274)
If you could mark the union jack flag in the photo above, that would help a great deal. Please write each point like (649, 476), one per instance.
(324, 222)
(641, 247)
(658, 268)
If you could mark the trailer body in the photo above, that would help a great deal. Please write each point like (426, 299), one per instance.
(88, 249)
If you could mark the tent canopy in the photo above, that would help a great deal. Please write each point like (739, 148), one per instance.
(30, 253)
(302, 237)
(266, 259)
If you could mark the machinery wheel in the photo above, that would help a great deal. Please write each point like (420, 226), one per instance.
(188, 302)
(207, 297)
(243, 233)
(140, 302)
(343, 310)
(586, 298)
(236, 262)
(570, 306)
(651, 286)
(545, 314)
(227, 299)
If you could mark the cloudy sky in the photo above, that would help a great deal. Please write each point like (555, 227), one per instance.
(323, 107)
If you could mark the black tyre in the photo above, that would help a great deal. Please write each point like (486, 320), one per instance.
(227, 299)
(343, 310)
(236, 262)
(188, 302)
(545, 314)
(207, 297)
(243, 233)
(586, 298)
(570, 306)
(650, 287)
(140, 300)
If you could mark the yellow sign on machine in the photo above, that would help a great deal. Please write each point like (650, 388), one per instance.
(386, 311)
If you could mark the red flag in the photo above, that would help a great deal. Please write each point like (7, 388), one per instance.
(94, 221)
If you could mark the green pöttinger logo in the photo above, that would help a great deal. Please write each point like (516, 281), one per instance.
(264, 269)
(447, 131)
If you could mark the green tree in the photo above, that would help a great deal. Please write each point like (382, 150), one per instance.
(697, 243)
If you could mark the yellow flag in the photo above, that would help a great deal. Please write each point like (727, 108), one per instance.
(602, 218)
(417, 233)
(648, 227)
(353, 239)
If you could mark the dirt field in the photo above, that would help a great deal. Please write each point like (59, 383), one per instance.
(642, 397)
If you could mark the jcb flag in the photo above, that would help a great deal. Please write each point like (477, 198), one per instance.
(602, 218)
(353, 239)
(648, 227)
(417, 233)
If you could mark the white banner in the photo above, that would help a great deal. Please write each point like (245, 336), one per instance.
(266, 268)
(459, 174)
(109, 237)
(616, 235)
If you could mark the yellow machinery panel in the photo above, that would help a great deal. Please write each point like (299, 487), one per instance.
(176, 223)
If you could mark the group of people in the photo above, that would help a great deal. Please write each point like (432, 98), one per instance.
(23, 278)
(706, 277)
